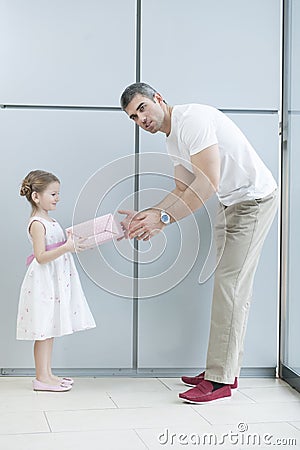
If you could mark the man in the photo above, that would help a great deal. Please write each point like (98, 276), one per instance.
(210, 154)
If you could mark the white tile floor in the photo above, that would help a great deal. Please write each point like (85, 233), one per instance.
(145, 413)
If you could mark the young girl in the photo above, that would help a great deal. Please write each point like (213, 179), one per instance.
(52, 302)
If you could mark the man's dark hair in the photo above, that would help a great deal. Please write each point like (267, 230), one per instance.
(136, 88)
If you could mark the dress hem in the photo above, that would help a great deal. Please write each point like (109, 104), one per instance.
(54, 336)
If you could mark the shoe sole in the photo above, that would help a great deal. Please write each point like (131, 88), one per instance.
(64, 388)
(194, 385)
(52, 390)
(44, 387)
(205, 403)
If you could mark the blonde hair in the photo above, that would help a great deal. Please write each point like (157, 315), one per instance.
(36, 181)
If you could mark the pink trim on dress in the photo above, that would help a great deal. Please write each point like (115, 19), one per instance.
(30, 258)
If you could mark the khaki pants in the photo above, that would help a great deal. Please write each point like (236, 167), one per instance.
(239, 244)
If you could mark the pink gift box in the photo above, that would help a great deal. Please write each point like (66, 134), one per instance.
(98, 230)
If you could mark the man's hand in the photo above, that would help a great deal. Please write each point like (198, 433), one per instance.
(142, 225)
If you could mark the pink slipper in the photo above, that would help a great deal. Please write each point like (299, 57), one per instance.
(39, 386)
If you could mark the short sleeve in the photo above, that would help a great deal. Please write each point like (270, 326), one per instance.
(197, 131)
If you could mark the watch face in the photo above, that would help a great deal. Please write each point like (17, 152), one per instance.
(165, 218)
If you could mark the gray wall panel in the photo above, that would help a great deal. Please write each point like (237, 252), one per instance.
(295, 56)
(70, 52)
(83, 53)
(74, 145)
(262, 132)
(174, 326)
(292, 357)
(221, 53)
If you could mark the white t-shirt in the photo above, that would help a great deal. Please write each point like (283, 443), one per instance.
(243, 175)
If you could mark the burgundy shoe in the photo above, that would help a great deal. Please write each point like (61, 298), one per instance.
(193, 381)
(203, 393)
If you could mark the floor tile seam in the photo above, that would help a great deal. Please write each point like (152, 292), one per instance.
(274, 422)
(112, 400)
(201, 415)
(263, 422)
(290, 422)
(62, 432)
(245, 395)
(217, 425)
(179, 405)
(227, 403)
(265, 386)
(110, 408)
(248, 395)
(22, 411)
(17, 411)
(164, 384)
(260, 380)
(43, 409)
(288, 388)
(277, 423)
(100, 430)
(272, 402)
(20, 395)
(46, 418)
(140, 438)
(32, 433)
(135, 429)
(92, 430)
(156, 391)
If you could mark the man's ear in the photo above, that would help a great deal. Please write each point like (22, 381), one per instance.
(157, 98)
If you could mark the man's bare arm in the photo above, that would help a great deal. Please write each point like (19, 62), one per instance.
(183, 178)
(206, 167)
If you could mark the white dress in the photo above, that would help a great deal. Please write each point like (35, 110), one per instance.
(52, 302)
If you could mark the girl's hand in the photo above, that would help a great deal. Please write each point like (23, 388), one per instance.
(74, 244)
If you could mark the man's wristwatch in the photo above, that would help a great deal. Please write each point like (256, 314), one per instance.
(165, 218)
